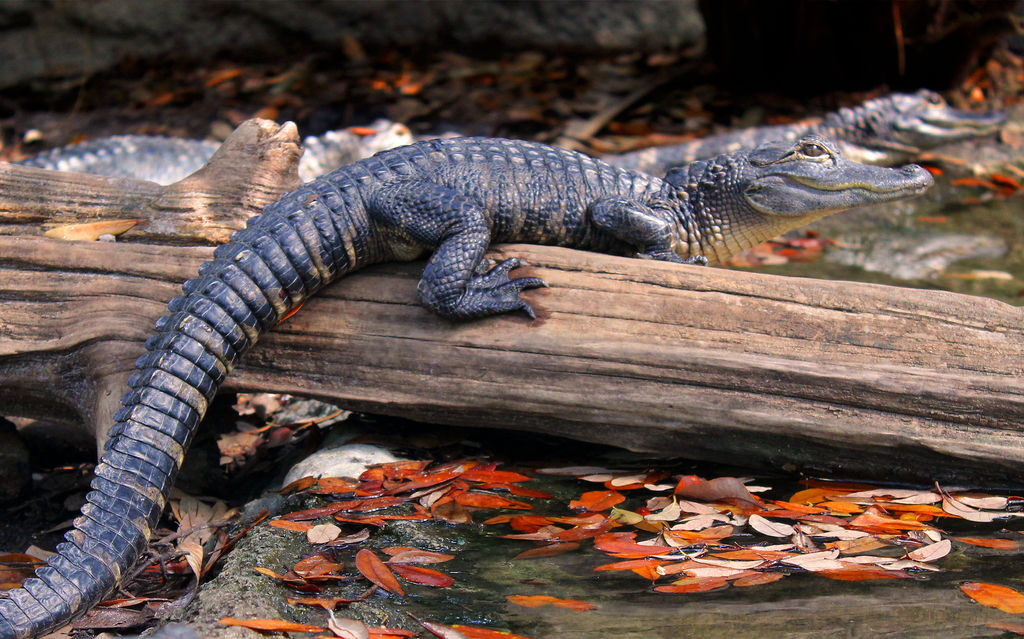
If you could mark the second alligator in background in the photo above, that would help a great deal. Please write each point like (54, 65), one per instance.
(886, 131)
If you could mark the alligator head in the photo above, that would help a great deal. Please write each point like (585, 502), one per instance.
(738, 201)
(899, 126)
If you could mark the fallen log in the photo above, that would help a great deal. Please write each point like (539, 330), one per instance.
(815, 376)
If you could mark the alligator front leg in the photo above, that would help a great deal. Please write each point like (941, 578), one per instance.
(638, 226)
(455, 283)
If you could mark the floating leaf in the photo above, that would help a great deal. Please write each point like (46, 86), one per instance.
(718, 489)
(270, 625)
(993, 596)
(347, 628)
(484, 500)
(931, 552)
(536, 601)
(597, 500)
(423, 576)
(770, 528)
(692, 584)
(370, 566)
(622, 544)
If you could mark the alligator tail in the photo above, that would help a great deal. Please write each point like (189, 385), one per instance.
(267, 270)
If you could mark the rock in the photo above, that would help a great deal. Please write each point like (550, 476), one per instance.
(78, 38)
(917, 255)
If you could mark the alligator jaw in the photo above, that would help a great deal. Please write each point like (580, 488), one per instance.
(845, 186)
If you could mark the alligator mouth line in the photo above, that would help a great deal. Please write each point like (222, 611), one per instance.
(863, 187)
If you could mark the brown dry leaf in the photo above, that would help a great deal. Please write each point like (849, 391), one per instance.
(955, 507)
(15, 568)
(89, 231)
(993, 596)
(408, 555)
(718, 489)
(193, 554)
(296, 526)
(347, 628)
(323, 533)
(371, 567)
(548, 550)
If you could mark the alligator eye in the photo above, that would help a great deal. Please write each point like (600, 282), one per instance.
(936, 99)
(812, 150)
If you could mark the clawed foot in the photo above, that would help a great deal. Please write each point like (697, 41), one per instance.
(671, 256)
(494, 292)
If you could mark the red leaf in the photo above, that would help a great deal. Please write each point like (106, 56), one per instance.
(423, 576)
(370, 566)
(719, 489)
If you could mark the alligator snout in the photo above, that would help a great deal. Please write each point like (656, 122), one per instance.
(918, 177)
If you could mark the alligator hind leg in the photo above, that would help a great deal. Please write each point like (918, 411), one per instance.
(639, 226)
(455, 283)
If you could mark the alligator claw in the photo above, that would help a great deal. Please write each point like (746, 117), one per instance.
(495, 292)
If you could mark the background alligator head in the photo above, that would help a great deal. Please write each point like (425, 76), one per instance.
(897, 127)
(742, 200)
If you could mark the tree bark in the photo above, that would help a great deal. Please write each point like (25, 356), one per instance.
(819, 376)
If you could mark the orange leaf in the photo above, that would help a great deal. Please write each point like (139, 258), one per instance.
(1001, 597)
(423, 576)
(536, 601)
(271, 625)
(1006, 626)
(597, 500)
(632, 564)
(621, 544)
(473, 632)
(1001, 544)
(390, 633)
(223, 75)
(370, 566)
(694, 584)
(296, 526)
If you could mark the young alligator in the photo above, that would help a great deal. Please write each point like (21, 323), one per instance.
(886, 131)
(165, 160)
(448, 197)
